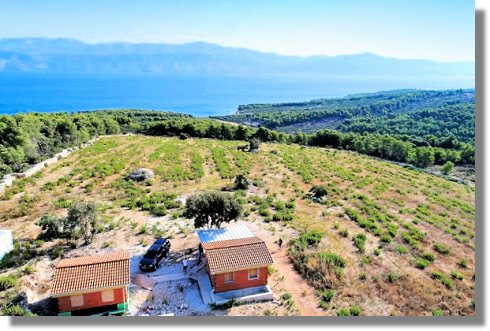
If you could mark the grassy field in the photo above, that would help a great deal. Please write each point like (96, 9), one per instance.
(384, 240)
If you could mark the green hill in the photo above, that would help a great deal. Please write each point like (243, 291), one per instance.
(384, 240)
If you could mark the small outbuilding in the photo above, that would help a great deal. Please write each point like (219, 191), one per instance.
(6, 242)
(92, 285)
(235, 258)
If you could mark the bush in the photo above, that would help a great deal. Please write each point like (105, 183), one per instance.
(80, 222)
(463, 263)
(386, 238)
(326, 297)
(318, 192)
(282, 216)
(457, 275)
(7, 282)
(332, 259)
(241, 182)
(402, 250)
(344, 232)
(447, 167)
(443, 279)
(353, 310)
(391, 277)
(437, 312)
(429, 256)
(440, 248)
(308, 239)
(421, 263)
(360, 242)
(15, 310)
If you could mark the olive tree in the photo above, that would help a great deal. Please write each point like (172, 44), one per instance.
(211, 209)
(80, 222)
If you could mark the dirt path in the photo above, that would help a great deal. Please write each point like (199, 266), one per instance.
(302, 293)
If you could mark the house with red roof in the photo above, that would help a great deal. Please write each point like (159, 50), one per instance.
(235, 259)
(92, 285)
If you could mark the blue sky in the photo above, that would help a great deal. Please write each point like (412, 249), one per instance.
(440, 30)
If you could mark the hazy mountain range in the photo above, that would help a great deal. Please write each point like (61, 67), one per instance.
(71, 56)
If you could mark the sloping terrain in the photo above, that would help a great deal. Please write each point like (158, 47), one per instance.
(399, 112)
(385, 240)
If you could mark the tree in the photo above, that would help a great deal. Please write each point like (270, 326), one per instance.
(241, 182)
(53, 227)
(80, 222)
(211, 209)
(424, 156)
(82, 218)
(241, 133)
(253, 145)
(318, 192)
(447, 167)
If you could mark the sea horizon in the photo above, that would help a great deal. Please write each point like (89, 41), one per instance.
(197, 95)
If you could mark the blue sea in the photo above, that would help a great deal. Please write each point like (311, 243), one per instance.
(196, 95)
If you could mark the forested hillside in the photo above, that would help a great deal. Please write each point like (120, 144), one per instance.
(418, 127)
(407, 114)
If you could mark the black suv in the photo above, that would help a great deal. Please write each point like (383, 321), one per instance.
(154, 255)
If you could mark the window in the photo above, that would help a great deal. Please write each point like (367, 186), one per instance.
(229, 277)
(253, 274)
(76, 300)
(108, 296)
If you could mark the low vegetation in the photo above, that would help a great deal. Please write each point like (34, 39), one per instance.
(399, 238)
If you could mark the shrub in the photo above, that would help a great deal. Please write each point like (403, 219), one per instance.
(440, 248)
(391, 277)
(437, 312)
(80, 222)
(386, 238)
(360, 242)
(421, 263)
(332, 259)
(143, 229)
(344, 232)
(241, 182)
(15, 310)
(317, 192)
(353, 310)
(343, 312)
(63, 203)
(326, 297)
(29, 270)
(309, 239)
(7, 282)
(377, 251)
(463, 263)
(429, 256)
(402, 250)
(282, 216)
(457, 275)
(22, 253)
(447, 168)
(443, 279)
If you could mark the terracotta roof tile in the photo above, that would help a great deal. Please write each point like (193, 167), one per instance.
(91, 272)
(231, 243)
(238, 257)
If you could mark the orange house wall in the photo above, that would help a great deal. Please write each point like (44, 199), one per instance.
(240, 280)
(91, 300)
